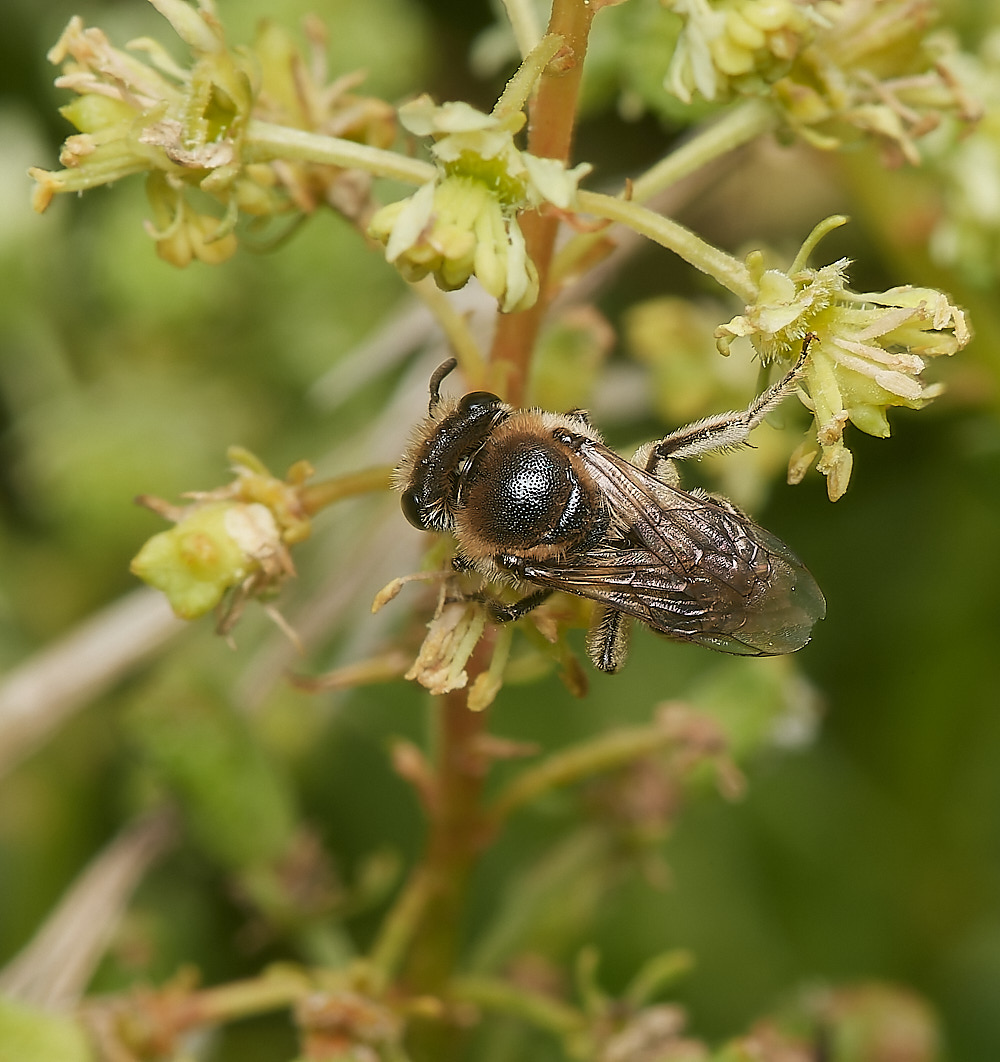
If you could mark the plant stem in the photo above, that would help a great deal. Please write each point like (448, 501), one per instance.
(604, 753)
(493, 993)
(458, 832)
(736, 127)
(426, 922)
(266, 141)
(316, 496)
(461, 341)
(550, 135)
(727, 270)
(732, 130)
(518, 89)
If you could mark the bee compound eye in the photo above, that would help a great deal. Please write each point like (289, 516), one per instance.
(410, 504)
(476, 401)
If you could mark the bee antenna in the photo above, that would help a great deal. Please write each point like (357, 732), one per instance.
(439, 374)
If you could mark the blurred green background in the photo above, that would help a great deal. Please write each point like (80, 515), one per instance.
(869, 852)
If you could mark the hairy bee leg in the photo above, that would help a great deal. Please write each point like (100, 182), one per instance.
(501, 613)
(607, 640)
(722, 432)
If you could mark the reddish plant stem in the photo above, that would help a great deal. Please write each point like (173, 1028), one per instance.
(550, 135)
(458, 833)
(459, 826)
(459, 829)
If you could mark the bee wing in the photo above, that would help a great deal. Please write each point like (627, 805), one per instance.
(689, 567)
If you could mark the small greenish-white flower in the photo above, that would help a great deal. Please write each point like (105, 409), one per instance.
(464, 222)
(867, 353)
(237, 536)
(728, 46)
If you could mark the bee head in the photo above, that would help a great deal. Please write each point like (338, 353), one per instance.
(429, 475)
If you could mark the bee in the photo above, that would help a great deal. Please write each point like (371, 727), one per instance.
(537, 499)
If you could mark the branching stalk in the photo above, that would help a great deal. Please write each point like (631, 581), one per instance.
(317, 496)
(266, 141)
(606, 752)
(723, 267)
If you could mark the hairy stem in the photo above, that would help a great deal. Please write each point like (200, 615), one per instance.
(733, 129)
(730, 131)
(727, 270)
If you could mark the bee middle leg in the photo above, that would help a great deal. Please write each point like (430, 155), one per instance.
(724, 431)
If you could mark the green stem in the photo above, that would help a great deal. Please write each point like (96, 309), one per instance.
(727, 270)
(520, 86)
(573, 764)
(241, 999)
(736, 127)
(732, 130)
(316, 496)
(493, 993)
(397, 931)
(266, 141)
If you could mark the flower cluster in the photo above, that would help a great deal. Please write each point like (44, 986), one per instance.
(464, 222)
(187, 128)
(728, 46)
(867, 353)
(874, 70)
(235, 536)
(836, 70)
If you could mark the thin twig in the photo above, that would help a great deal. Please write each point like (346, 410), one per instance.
(37, 697)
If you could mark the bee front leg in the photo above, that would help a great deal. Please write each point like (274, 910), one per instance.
(608, 639)
(724, 431)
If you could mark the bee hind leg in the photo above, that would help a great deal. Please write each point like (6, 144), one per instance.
(607, 640)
